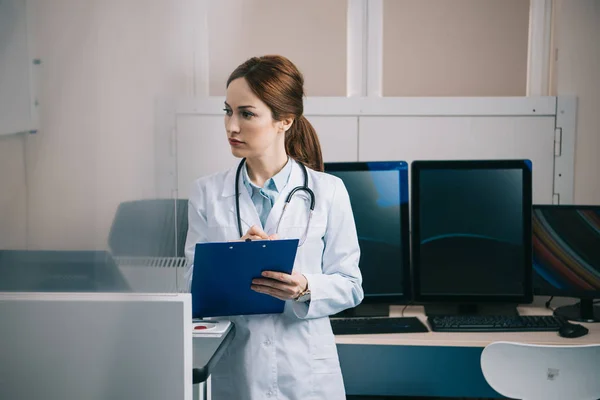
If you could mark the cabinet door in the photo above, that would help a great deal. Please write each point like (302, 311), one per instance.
(202, 147)
(338, 137)
(467, 138)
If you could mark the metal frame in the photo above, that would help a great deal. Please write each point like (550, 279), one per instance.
(539, 45)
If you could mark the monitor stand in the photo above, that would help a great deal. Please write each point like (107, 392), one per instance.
(584, 311)
(471, 309)
(365, 311)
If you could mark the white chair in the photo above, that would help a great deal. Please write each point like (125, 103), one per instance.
(538, 372)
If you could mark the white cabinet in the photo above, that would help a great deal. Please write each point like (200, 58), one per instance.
(464, 137)
(540, 129)
(338, 137)
(202, 147)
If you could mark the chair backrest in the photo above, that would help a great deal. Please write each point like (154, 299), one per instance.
(150, 228)
(536, 372)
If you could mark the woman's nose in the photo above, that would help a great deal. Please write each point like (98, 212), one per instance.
(231, 124)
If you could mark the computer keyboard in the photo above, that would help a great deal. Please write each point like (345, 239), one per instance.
(362, 326)
(495, 323)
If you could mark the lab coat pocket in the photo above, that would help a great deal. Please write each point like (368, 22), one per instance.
(325, 359)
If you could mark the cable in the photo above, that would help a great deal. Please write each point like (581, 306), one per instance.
(548, 303)
(405, 307)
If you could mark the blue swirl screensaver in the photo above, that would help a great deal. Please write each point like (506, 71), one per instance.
(566, 250)
(471, 231)
(376, 197)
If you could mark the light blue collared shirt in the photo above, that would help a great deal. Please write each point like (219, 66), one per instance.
(264, 198)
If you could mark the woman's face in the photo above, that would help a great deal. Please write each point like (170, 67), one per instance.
(251, 130)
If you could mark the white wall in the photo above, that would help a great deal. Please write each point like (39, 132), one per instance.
(104, 62)
(577, 72)
(13, 198)
(15, 116)
(15, 88)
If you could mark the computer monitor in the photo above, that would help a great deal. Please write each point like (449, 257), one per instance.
(566, 257)
(471, 235)
(379, 197)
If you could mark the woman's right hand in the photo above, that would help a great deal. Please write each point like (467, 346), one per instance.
(256, 233)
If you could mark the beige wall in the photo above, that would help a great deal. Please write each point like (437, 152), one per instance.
(104, 63)
(577, 72)
(455, 48)
(312, 33)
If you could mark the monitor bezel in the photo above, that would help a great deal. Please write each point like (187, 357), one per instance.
(523, 165)
(558, 292)
(402, 168)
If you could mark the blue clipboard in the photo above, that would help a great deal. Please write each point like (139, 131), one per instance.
(223, 273)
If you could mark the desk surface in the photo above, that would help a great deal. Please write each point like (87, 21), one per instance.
(208, 351)
(468, 339)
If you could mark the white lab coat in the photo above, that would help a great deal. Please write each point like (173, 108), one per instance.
(289, 356)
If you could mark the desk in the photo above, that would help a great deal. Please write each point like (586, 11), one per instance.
(208, 351)
(434, 363)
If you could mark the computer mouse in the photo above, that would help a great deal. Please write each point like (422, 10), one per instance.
(572, 331)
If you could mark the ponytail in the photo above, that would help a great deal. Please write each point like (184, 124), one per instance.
(280, 85)
(302, 144)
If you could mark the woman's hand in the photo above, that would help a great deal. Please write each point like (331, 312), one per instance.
(277, 284)
(256, 233)
(280, 285)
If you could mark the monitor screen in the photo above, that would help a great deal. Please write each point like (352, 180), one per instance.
(566, 250)
(379, 197)
(472, 230)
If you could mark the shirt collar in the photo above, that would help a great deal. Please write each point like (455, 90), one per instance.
(277, 182)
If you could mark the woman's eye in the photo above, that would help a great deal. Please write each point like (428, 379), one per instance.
(228, 111)
(247, 114)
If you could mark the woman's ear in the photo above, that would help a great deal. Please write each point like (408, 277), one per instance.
(286, 123)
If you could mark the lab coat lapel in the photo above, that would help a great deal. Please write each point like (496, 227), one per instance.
(296, 179)
(248, 214)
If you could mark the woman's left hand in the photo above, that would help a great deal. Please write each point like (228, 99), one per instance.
(280, 285)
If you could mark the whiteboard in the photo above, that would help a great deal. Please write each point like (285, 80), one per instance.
(15, 83)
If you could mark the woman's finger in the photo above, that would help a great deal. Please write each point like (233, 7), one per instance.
(272, 292)
(255, 231)
(273, 283)
(280, 276)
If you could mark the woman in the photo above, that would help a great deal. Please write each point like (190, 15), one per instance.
(290, 355)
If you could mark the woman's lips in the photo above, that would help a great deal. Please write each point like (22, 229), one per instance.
(235, 142)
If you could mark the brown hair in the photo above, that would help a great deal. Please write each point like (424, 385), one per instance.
(280, 85)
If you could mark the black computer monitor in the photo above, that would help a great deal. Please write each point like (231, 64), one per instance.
(60, 271)
(379, 197)
(566, 257)
(471, 235)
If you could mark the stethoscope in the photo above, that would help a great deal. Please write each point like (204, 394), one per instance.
(304, 187)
